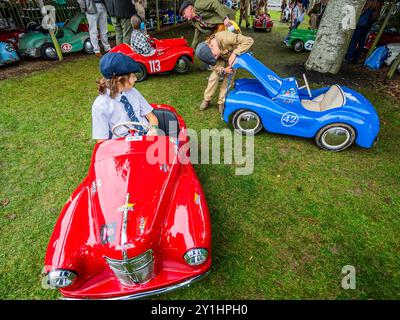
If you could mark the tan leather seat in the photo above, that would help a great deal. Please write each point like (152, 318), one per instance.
(333, 98)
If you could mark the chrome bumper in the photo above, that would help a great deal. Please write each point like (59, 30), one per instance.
(140, 295)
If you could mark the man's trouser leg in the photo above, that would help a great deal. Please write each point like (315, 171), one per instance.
(228, 79)
(118, 30)
(313, 21)
(93, 33)
(212, 86)
(126, 30)
(103, 25)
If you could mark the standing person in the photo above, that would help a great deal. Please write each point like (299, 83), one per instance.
(296, 17)
(316, 13)
(284, 4)
(244, 12)
(121, 12)
(207, 17)
(96, 15)
(220, 51)
(140, 7)
(369, 15)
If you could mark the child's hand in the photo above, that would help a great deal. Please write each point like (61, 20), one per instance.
(152, 132)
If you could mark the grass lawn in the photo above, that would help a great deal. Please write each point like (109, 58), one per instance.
(284, 232)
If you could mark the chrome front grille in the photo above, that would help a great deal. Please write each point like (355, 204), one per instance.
(133, 271)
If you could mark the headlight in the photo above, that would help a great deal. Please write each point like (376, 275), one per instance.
(195, 257)
(61, 278)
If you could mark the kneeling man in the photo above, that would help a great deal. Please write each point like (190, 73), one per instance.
(220, 51)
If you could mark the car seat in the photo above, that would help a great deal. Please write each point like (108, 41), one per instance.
(167, 122)
(333, 98)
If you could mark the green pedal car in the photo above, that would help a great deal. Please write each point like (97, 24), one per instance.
(302, 39)
(37, 42)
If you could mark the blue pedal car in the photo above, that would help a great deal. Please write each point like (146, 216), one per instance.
(7, 54)
(334, 116)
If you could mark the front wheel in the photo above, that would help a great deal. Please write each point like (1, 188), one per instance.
(49, 52)
(142, 74)
(182, 65)
(335, 137)
(88, 47)
(247, 122)
(298, 46)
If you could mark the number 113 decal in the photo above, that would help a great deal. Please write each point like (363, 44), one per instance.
(155, 65)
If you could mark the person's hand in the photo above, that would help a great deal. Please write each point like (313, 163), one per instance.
(227, 22)
(231, 59)
(228, 70)
(152, 132)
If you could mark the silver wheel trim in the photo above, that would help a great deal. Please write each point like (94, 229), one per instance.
(335, 137)
(251, 117)
(88, 46)
(50, 52)
(181, 65)
(298, 46)
(139, 75)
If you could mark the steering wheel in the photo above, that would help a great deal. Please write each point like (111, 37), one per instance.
(306, 85)
(130, 126)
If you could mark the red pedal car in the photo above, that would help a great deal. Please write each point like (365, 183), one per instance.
(263, 22)
(169, 54)
(134, 227)
(11, 36)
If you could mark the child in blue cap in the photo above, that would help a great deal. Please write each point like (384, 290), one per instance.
(118, 101)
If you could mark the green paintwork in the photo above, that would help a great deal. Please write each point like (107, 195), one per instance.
(306, 36)
(31, 43)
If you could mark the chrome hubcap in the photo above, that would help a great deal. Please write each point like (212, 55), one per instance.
(181, 65)
(88, 46)
(336, 137)
(298, 46)
(248, 121)
(51, 52)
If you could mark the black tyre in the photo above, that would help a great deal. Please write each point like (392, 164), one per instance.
(49, 52)
(142, 74)
(298, 45)
(247, 122)
(87, 47)
(182, 65)
(335, 137)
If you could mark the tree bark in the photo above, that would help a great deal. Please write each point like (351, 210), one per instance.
(334, 35)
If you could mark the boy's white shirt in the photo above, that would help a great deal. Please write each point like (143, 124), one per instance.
(107, 112)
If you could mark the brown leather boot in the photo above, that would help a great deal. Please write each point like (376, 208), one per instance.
(98, 54)
(204, 105)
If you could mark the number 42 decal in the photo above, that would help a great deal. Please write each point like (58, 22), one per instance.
(155, 65)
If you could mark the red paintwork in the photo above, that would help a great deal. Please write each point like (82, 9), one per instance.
(263, 22)
(11, 36)
(386, 38)
(168, 51)
(174, 222)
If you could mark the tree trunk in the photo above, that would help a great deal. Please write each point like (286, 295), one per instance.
(334, 35)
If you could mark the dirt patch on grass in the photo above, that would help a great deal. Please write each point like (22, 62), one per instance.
(29, 66)
(354, 76)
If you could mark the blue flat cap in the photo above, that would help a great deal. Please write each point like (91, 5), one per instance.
(203, 52)
(117, 64)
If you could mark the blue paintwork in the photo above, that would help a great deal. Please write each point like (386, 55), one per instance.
(7, 54)
(277, 102)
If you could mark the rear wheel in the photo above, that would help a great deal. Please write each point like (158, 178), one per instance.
(87, 47)
(142, 74)
(247, 122)
(298, 46)
(49, 52)
(182, 65)
(335, 137)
